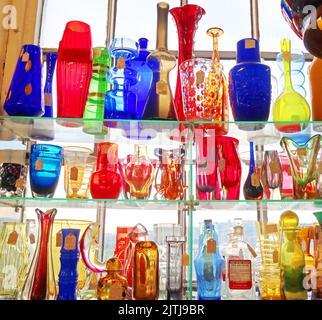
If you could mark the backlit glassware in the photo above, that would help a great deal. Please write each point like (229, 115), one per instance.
(25, 93)
(45, 167)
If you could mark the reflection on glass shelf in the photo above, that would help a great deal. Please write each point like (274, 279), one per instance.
(274, 205)
(90, 203)
(60, 130)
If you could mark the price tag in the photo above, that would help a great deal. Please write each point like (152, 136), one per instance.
(32, 238)
(251, 250)
(13, 237)
(28, 66)
(25, 57)
(70, 242)
(59, 239)
(161, 87)
(301, 152)
(73, 174)
(20, 183)
(274, 167)
(39, 165)
(287, 56)
(116, 292)
(121, 63)
(222, 165)
(275, 256)
(270, 228)
(211, 246)
(200, 77)
(255, 180)
(185, 260)
(28, 89)
(250, 44)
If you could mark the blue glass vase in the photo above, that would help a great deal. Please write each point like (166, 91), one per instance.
(51, 60)
(45, 167)
(250, 86)
(121, 101)
(25, 95)
(208, 263)
(68, 275)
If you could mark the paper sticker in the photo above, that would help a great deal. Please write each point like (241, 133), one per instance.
(251, 250)
(161, 87)
(250, 44)
(13, 237)
(121, 63)
(73, 174)
(274, 167)
(301, 152)
(20, 183)
(287, 56)
(200, 77)
(275, 256)
(240, 274)
(59, 239)
(32, 238)
(255, 180)
(185, 260)
(116, 292)
(211, 246)
(70, 242)
(222, 165)
(25, 57)
(39, 165)
(320, 168)
(270, 228)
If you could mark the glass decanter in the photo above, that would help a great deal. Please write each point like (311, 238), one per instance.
(160, 105)
(208, 263)
(290, 105)
(121, 100)
(303, 159)
(113, 286)
(95, 106)
(292, 258)
(146, 271)
(139, 173)
(239, 281)
(253, 189)
(40, 282)
(186, 18)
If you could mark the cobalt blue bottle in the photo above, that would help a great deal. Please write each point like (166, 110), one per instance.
(208, 263)
(69, 256)
(250, 86)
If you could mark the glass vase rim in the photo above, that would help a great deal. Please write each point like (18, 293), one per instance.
(57, 221)
(77, 149)
(179, 239)
(211, 62)
(188, 5)
(300, 145)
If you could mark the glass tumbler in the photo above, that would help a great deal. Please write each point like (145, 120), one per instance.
(79, 166)
(45, 166)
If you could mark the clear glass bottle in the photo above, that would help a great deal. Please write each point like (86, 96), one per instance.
(239, 266)
(175, 267)
(208, 263)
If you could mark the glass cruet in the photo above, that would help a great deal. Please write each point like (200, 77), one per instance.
(290, 105)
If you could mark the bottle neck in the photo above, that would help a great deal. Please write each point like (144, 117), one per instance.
(252, 159)
(162, 31)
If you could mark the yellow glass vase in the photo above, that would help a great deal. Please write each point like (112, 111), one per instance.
(290, 106)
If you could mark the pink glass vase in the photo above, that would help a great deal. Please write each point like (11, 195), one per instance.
(186, 19)
(40, 283)
(74, 71)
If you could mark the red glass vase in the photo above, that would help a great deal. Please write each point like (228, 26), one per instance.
(106, 182)
(186, 19)
(40, 283)
(74, 71)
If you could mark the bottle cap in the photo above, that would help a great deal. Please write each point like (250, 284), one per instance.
(248, 51)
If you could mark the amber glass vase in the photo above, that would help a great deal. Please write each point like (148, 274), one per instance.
(139, 173)
(186, 19)
(106, 182)
(146, 271)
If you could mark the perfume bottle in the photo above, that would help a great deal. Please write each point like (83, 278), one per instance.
(292, 258)
(250, 86)
(208, 263)
(146, 271)
(253, 189)
(113, 286)
(239, 266)
(160, 105)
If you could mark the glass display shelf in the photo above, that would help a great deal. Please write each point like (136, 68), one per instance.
(119, 204)
(67, 130)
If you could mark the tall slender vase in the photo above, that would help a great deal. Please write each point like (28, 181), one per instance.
(40, 283)
(317, 292)
(186, 18)
(69, 256)
(160, 104)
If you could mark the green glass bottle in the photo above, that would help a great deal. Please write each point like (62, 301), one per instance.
(95, 105)
(290, 105)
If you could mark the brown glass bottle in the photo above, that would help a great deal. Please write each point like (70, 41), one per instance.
(146, 271)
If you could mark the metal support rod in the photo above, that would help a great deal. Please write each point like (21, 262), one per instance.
(100, 219)
(111, 21)
(254, 13)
